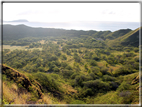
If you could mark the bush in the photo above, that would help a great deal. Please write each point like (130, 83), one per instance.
(95, 69)
(104, 71)
(63, 64)
(86, 92)
(114, 85)
(47, 81)
(97, 85)
(124, 86)
(96, 58)
(69, 67)
(93, 76)
(136, 49)
(67, 73)
(93, 63)
(124, 70)
(79, 79)
(108, 78)
(63, 57)
(56, 69)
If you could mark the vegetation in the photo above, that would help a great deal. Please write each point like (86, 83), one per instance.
(70, 66)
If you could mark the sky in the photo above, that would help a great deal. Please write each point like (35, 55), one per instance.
(72, 15)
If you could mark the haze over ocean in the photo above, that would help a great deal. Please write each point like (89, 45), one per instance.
(88, 25)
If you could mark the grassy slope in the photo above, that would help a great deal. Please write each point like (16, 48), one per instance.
(125, 38)
(15, 92)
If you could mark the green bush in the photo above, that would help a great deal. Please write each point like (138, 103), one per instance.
(67, 73)
(104, 71)
(69, 67)
(79, 79)
(94, 76)
(93, 63)
(74, 75)
(127, 69)
(47, 81)
(64, 64)
(63, 57)
(108, 78)
(56, 69)
(97, 85)
(124, 86)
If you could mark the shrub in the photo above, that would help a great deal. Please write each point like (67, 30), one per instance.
(136, 49)
(56, 69)
(47, 81)
(79, 79)
(124, 70)
(93, 76)
(74, 75)
(97, 85)
(95, 69)
(63, 64)
(63, 57)
(114, 85)
(93, 63)
(104, 71)
(86, 92)
(69, 67)
(124, 86)
(108, 78)
(67, 73)
(96, 58)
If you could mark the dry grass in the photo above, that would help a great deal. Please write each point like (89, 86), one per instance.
(12, 96)
(14, 47)
(101, 63)
(46, 99)
(18, 47)
(68, 88)
(14, 87)
(42, 41)
(55, 42)
(114, 67)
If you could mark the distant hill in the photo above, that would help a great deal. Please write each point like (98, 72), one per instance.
(117, 33)
(20, 31)
(122, 37)
(129, 39)
(20, 20)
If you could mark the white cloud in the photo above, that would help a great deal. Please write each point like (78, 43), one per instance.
(67, 12)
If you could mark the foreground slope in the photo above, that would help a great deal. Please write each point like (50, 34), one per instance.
(19, 88)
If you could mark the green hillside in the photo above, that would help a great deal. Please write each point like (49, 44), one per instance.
(117, 34)
(70, 66)
(129, 39)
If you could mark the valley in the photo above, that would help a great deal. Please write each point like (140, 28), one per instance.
(70, 66)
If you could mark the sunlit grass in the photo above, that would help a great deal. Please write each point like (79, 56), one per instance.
(18, 47)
